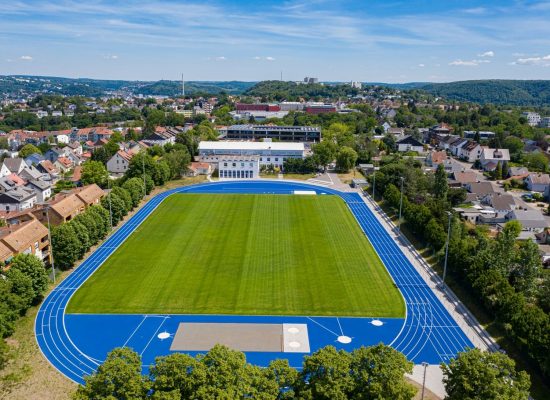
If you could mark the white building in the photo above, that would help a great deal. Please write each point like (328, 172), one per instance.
(119, 163)
(533, 118)
(239, 167)
(269, 153)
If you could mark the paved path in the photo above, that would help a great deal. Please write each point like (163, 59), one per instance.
(469, 324)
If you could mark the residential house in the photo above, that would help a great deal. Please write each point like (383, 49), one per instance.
(68, 204)
(470, 151)
(435, 158)
(17, 198)
(491, 157)
(119, 163)
(200, 168)
(517, 171)
(537, 182)
(532, 222)
(456, 144)
(34, 159)
(54, 153)
(481, 189)
(28, 237)
(12, 166)
(464, 178)
(409, 143)
(502, 203)
(64, 164)
(75, 147)
(47, 167)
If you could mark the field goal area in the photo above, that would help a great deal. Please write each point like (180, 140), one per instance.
(272, 338)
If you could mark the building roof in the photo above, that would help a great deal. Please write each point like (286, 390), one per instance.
(503, 201)
(127, 155)
(465, 177)
(89, 194)
(481, 188)
(496, 154)
(409, 140)
(14, 164)
(529, 218)
(438, 156)
(291, 128)
(66, 162)
(539, 179)
(239, 158)
(19, 237)
(233, 145)
(65, 204)
(199, 165)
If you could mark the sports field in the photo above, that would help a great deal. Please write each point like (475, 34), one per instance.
(244, 254)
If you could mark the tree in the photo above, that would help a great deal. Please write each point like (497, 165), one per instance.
(378, 373)
(83, 238)
(346, 159)
(325, 152)
(177, 372)
(119, 377)
(162, 173)
(527, 268)
(474, 375)
(125, 196)
(441, 186)
(115, 206)
(21, 286)
(536, 162)
(435, 234)
(101, 215)
(65, 246)
(134, 186)
(94, 172)
(284, 376)
(178, 160)
(326, 375)
(28, 149)
(140, 162)
(34, 268)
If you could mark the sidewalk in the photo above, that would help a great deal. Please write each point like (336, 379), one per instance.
(479, 337)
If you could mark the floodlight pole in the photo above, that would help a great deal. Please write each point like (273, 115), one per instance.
(374, 185)
(110, 209)
(425, 365)
(400, 205)
(447, 246)
(143, 168)
(50, 240)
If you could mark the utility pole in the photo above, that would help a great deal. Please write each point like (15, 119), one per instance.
(447, 246)
(400, 206)
(374, 185)
(50, 240)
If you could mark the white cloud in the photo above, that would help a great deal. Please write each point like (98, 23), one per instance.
(220, 58)
(468, 63)
(543, 61)
(257, 58)
(421, 65)
(110, 57)
(26, 58)
(270, 59)
(487, 54)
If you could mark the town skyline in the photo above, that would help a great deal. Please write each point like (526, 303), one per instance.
(420, 41)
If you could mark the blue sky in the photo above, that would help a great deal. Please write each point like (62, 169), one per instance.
(365, 40)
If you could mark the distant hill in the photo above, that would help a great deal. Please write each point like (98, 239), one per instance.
(510, 92)
(173, 88)
(22, 84)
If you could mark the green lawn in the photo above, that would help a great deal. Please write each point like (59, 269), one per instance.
(244, 254)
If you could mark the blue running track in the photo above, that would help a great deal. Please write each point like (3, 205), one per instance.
(76, 344)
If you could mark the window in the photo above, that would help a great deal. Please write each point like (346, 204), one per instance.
(276, 159)
(268, 159)
(242, 164)
(234, 164)
(225, 164)
(251, 164)
(36, 246)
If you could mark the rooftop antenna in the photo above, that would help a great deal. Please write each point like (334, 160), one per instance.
(281, 75)
(182, 86)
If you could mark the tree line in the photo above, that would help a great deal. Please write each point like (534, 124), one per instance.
(22, 285)
(375, 372)
(504, 273)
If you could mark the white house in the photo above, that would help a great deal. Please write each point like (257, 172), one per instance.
(470, 151)
(537, 182)
(491, 157)
(239, 167)
(408, 143)
(119, 163)
(17, 199)
(533, 118)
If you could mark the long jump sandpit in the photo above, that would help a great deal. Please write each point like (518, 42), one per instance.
(288, 338)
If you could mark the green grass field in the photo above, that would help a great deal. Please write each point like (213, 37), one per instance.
(244, 254)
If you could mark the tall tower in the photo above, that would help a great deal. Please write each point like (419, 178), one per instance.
(182, 86)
